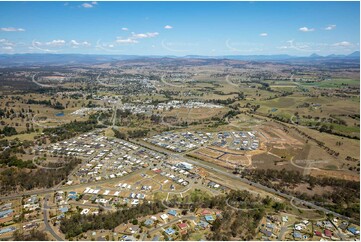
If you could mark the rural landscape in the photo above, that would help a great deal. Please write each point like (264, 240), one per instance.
(118, 147)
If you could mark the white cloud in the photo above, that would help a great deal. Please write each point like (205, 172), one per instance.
(246, 47)
(263, 34)
(125, 29)
(139, 36)
(75, 44)
(12, 29)
(87, 5)
(168, 27)
(305, 29)
(302, 46)
(6, 42)
(56, 42)
(343, 44)
(330, 27)
(126, 41)
(8, 48)
(37, 46)
(145, 35)
(133, 39)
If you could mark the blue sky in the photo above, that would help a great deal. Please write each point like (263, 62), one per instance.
(180, 28)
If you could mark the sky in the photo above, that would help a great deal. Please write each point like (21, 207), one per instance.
(180, 28)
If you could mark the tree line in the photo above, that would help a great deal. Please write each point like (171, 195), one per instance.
(341, 200)
(14, 179)
(69, 130)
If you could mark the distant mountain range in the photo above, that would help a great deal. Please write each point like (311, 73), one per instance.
(61, 59)
(355, 55)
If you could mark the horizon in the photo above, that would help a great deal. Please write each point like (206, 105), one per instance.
(180, 56)
(160, 28)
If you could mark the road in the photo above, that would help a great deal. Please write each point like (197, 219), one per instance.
(48, 227)
(282, 232)
(39, 84)
(222, 171)
(90, 205)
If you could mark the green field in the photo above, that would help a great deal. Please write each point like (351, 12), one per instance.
(335, 83)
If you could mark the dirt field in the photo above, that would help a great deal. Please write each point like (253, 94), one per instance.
(196, 114)
(243, 160)
(209, 152)
(335, 174)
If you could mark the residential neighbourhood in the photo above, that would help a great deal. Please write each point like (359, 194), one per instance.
(137, 175)
(186, 141)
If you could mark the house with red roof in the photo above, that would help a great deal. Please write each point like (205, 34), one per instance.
(182, 226)
(328, 233)
(205, 212)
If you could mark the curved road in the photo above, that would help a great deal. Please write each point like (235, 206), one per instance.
(39, 84)
(46, 220)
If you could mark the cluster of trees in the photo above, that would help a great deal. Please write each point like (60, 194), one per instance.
(15, 179)
(253, 108)
(340, 200)
(137, 133)
(55, 105)
(323, 125)
(239, 199)
(349, 158)
(221, 93)
(168, 94)
(354, 116)
(77, 224)
(227, 101)
(156, 118)
(8, 131)
(231, 114)
(126, 118)
(91, 105)
(236, 225)
(67, 131)
(8, 159)
(34, 235)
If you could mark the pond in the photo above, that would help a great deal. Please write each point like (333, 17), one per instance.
(59, 114)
